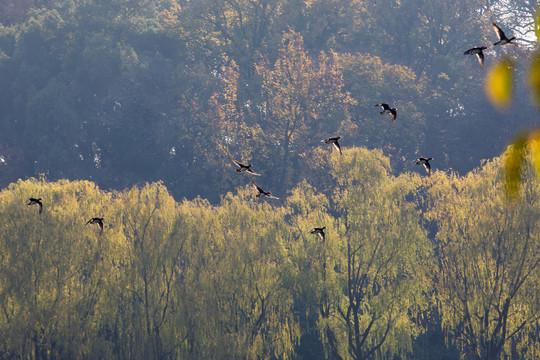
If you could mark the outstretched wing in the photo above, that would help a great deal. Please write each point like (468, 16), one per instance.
(270, 196)
(100, 223)
(394, 115)
(236, 162)
(257, 187)
(499, 32)
(480, 57)
(252, 172)
(40, 206)
(338, 148)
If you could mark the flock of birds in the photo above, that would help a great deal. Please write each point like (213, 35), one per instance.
(95, 220)
(386, 109)
(503, 40)
(243, 168)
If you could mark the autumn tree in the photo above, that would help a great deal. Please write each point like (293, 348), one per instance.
(303, 101)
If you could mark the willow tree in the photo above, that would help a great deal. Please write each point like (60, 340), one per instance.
(149, 292)
(488, 262)
(52, 269)
(241, 280)
(384, 256)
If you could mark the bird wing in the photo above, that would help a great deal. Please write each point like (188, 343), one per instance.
(270, 196)
(394, 115)
(338, 148)
(384, 106)
(499, 32)
(321, 235)
(257, 187)
(237, 163)
(480, 57)
(88, 222)
(40, 206)
(100, 223)
(252, 172)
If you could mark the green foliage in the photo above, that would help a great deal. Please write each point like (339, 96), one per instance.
(246, 279)
(488, 262)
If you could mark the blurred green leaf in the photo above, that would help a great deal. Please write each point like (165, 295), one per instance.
(534, 78)
(514, 164)
(534, 144)
(499, 84)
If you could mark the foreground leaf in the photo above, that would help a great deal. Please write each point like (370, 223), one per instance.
(499, 84)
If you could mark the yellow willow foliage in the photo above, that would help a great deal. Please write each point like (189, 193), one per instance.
(247, 279)
(488, 260)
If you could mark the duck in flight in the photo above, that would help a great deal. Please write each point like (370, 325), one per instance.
(333, 141)
(503, 40)
(319, 231)
(33, 201)
(98, 221)
(388, 110)
(425, 162)
(244, 168)
(478, 51)
(262, 192)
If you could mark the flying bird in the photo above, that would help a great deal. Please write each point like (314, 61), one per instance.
(319, 231)
(478, 52)
(33, 201)
(503, 40)
(98, 221)
(244, 168)
(388, 110)
(333, 141)
(262, 192)
(425, 162)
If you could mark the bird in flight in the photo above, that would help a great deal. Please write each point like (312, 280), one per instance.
(388, 110)
(319, 231)
(425, 162)
(33, 201)
(244, 168)
(261, 192)
(478, 52)
(333, 141)
(503, 40)
(98, 221)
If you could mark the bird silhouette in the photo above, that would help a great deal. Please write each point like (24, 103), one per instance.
(34, 201)
(333, 141)
(244, 168)
(98, 221)
(388, 110)
(261, 192)
(425, 162)
(478, 52)
(503, 40)
(319, 231)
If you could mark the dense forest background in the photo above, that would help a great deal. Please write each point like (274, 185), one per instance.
(124, 92)
(131, 110)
